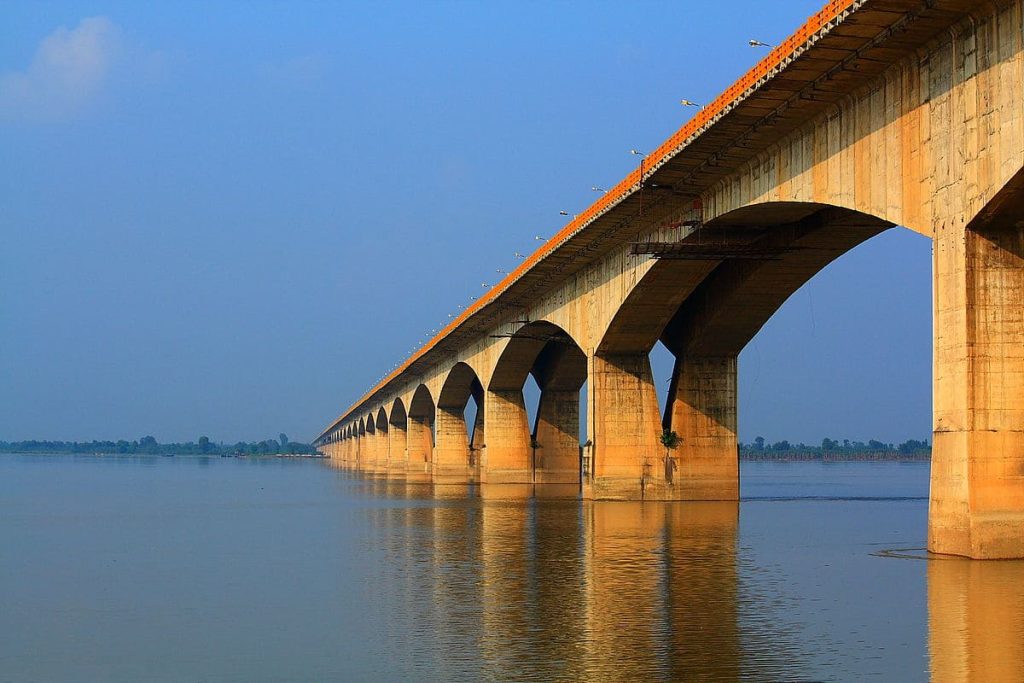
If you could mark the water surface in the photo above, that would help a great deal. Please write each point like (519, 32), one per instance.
(211, 569)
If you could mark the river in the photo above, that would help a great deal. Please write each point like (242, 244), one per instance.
(221, 569)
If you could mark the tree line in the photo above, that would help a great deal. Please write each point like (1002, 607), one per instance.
(148, 445)
(911, 448)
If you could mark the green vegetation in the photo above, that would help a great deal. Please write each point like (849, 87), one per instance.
(831, 449)
(147, 445)
(669, 439)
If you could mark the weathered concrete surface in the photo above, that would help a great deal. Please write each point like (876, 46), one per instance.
(875, 114)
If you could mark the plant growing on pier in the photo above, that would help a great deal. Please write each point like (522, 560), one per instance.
(670, 440)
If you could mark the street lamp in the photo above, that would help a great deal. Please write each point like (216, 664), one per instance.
(757, 43)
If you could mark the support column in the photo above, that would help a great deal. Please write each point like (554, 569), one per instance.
(398, 463)
(369, 452)
(557, 438)
(383, 447)
(507, 440)
(977, 486)
(627, 427)
(702, 412)
(451, 453)
(421, 446)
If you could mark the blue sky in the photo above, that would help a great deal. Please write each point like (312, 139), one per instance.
(230, 219)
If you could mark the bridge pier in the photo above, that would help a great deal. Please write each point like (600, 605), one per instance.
(977, 478)
(450, 464)
(378, 453)
(630, 460)
(702, 411)
(508, 456)
(556, 455)
(626, 427)
(397, 451)
(420, 448)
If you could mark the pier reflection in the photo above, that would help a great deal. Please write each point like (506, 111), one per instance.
(535, 585)
(976, 620)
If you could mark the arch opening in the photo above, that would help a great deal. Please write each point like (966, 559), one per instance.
(536, 441)
(420, 436)
(458, 441)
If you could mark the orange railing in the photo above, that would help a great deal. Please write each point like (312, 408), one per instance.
(624, 187)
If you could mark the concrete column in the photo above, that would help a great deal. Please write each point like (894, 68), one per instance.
(398, 460)
(977, 483)
(368, 452)
(557, 436)
(383, 446)
(702, 411)
(451, 452)
(627, 427)
(420, 441)
(507, 439)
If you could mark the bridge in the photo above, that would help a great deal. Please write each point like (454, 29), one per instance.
(874, 114)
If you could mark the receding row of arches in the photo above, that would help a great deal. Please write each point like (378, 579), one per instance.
(551, 412)
(531, 416)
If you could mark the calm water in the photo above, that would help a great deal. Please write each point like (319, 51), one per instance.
(188, 569)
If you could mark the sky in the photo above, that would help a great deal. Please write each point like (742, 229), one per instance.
(229, 219)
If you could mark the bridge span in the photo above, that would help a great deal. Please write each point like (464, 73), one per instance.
(874, 114)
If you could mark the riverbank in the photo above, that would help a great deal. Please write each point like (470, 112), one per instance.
(798, 456)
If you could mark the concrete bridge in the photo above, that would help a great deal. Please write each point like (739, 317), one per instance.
(874, 114)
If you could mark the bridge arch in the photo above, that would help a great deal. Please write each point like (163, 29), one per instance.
(704, 300)
(420, 434)
(456, 446)
(547, 451)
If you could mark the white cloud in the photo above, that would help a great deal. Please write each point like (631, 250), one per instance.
(68, 69)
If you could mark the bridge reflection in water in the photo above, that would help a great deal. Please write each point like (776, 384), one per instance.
(543, 586)
(511, 582)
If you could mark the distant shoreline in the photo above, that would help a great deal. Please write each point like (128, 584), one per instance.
(884, 456)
